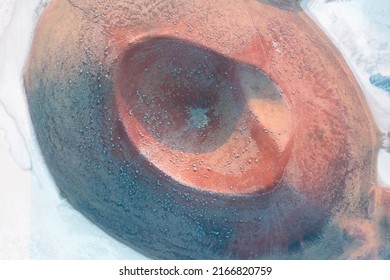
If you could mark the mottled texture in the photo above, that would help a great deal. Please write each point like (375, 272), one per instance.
(322, 204)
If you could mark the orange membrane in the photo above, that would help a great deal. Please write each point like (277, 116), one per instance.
(202, 119)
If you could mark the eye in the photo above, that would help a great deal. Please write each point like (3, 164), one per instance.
(237, 137)
(202, 119)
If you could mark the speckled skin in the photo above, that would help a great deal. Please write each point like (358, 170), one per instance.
(323, 205)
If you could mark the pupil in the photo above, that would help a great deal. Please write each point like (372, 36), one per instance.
(186, 97)
(198, 117)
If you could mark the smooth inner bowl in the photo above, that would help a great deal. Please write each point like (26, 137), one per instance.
(206, 121)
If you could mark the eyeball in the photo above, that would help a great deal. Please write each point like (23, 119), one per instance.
(202, 131)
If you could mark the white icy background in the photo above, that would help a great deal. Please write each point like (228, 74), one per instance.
(35, 223)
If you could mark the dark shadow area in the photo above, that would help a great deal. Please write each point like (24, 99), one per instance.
(293, 5)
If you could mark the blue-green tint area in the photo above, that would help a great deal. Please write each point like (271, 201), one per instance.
(198, 117)
(381, 81)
